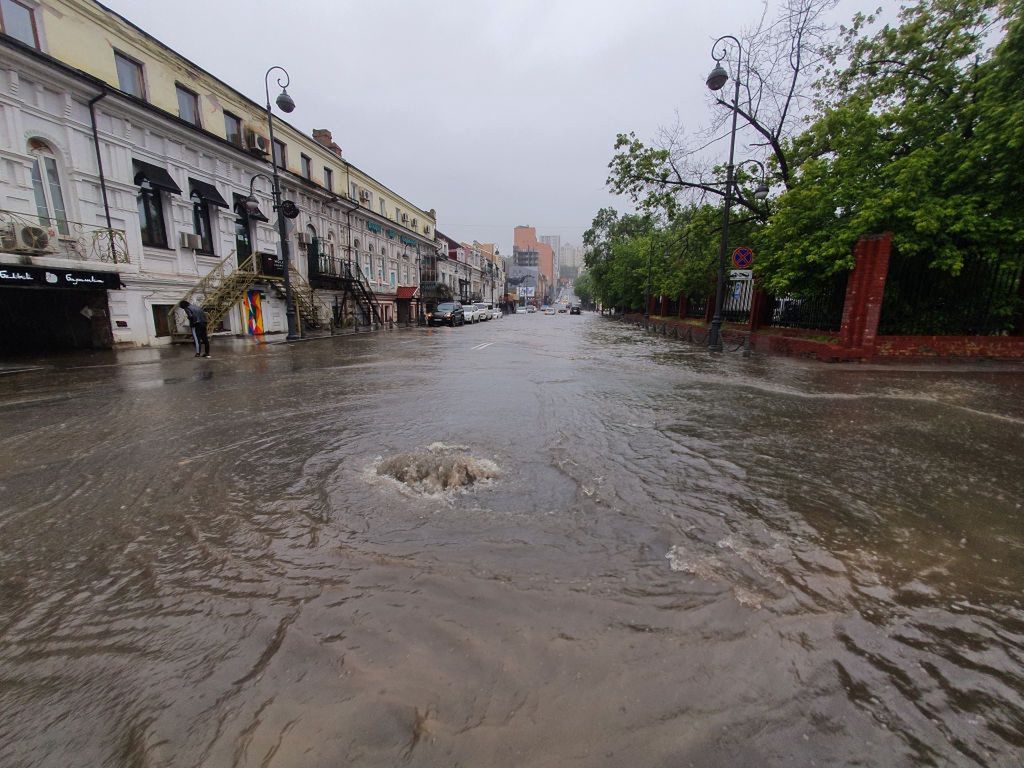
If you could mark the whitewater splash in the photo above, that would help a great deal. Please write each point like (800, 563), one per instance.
(438, 467)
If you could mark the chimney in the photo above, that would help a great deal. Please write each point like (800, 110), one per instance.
(323, 137)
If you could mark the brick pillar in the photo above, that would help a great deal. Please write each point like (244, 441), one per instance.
(759, 302)
(864, 291)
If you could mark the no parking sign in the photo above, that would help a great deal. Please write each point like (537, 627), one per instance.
(742, 257)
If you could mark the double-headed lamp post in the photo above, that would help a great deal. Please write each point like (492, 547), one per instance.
(286, 104)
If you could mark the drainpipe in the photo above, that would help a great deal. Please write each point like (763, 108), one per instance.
(99, 163)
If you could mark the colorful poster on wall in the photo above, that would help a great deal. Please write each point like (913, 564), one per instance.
(254, 311)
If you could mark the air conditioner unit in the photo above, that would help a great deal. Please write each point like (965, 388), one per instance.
(188, 240)
(405, 218)
(32, 238)
(364, 195)
(426, 229)
(415, 223)
(257, 142)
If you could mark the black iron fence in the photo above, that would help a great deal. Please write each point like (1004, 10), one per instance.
(696, 306)
(983, 299)
(813, 308)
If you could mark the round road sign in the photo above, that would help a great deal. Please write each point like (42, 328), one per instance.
(742, 257)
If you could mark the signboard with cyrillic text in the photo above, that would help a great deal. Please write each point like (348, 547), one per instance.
(17, 276)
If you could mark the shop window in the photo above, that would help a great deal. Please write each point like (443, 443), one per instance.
(188, 105)
(46, 187)
(129, 75)
(19, 21)
(161, 321)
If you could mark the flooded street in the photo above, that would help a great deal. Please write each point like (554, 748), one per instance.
(657, 557)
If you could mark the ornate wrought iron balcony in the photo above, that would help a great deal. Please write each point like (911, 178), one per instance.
(24, 235)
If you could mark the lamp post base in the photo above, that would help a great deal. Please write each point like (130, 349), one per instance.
(715, 336)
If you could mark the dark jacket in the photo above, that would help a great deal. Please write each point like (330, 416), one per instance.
(195, 315)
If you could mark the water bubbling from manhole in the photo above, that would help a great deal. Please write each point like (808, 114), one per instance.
(438, 467)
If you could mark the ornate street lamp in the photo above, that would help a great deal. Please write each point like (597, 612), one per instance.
(716, 81)
(286, 104)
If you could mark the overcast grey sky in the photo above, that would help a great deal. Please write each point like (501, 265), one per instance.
(493, 113)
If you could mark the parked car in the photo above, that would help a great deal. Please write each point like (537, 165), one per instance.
(447, 313)
(484, 310)
(472, 312)
(549, 310)
(575, 310)
(495, 312)
(521, 310)
(530, 309)
(563, 310)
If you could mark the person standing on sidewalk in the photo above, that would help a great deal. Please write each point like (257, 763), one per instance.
(197, 322)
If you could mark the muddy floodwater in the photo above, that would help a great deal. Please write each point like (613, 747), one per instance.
(638, 555)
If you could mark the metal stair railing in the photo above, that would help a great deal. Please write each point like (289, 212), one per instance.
(218, 290)
(364, 295)
(311, 310)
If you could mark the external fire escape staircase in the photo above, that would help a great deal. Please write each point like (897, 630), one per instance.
(363, 295)
(223, 287)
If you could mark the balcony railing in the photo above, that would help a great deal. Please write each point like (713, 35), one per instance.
(24, 234)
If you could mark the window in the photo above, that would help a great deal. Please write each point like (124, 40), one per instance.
(383, 207)
(129, 75)
(201, 222)
(330, 244)
(188, 105)
(394, 278)
(307, 166)
(19, 22)
(46, 187)
(398, 213)
(328, 178)
(280, 153)
(243, 230)
(233, 129)
(151, 215)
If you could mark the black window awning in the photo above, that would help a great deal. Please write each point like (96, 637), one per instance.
(207, 192)
(156, 176)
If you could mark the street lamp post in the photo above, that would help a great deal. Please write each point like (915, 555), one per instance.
(286, 104)
(716, 81)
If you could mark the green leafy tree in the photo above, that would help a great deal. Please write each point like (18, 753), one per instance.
(920, 135)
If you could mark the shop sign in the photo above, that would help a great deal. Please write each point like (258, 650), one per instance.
(406, 240)
(391, 233)
(48, 277)
(373, 226)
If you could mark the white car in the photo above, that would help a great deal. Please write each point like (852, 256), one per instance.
(495, 313)
(474, 312)
(520, 310)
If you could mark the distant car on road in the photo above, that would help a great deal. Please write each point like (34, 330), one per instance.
(484, 310)
(530, 309)
(447, 313)
(575, 309)
(549, 311)
(521, 310)
(563, 310)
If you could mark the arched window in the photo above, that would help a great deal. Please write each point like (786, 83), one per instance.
(46, 186)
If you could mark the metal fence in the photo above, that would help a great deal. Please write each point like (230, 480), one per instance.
(696, 306)
(983, 299)
(816, 308)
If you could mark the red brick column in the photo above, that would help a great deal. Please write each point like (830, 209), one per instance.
(864, 291)
(759, 302)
